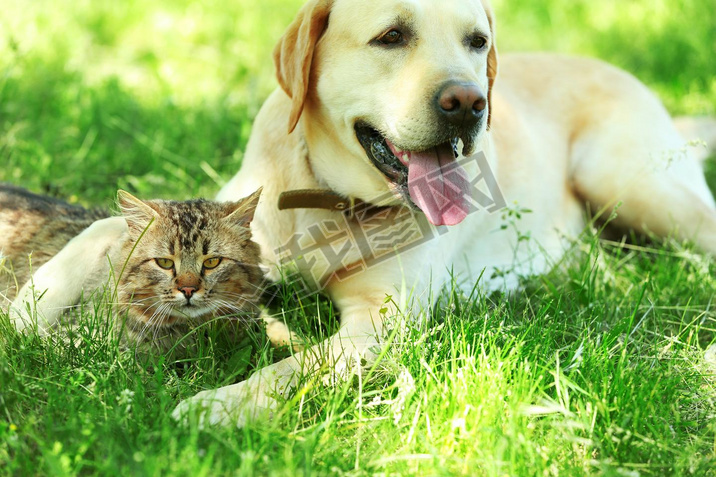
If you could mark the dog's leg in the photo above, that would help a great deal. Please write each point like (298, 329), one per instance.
(649, 170)
(355, 345)
(59, 283)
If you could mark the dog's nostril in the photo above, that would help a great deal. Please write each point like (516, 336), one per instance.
(449, 103)
(480, 104)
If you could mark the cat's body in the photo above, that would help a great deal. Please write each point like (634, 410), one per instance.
(37, 225)
(174, 263)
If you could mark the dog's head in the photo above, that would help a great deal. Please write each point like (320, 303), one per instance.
(390, 92)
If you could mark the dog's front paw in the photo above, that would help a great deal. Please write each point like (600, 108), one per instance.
(237, 404)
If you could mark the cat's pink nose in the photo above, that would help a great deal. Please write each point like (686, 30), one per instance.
(187, 291)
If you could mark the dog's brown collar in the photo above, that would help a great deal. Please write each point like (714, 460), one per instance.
(322, 199)
(313, 199)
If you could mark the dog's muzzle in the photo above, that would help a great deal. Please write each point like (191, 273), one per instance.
(432, 179)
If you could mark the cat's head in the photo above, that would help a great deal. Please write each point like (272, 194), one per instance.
(191, 259)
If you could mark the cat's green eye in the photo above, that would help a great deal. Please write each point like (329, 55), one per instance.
(210, 263)
(165, 263)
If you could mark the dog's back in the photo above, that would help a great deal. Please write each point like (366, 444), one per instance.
(700, 129)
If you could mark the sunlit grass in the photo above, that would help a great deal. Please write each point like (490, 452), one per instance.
(669, 44)
(184, 51)
(596, 368)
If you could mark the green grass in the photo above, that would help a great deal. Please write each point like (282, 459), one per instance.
(597, 368)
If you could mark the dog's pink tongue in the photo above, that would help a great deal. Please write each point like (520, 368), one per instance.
(438, 184)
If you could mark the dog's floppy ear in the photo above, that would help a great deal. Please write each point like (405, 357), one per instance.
(491, 57)
(294, 53)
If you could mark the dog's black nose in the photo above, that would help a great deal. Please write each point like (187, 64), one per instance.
(462, 104)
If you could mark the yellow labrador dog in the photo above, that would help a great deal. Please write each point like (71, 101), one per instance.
(392, 147)
(376, 96)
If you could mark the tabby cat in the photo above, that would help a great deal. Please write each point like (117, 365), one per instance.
(175, 263)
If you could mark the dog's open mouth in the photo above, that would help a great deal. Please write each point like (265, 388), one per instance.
(435, 181)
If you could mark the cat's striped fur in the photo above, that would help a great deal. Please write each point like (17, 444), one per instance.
(176, 264)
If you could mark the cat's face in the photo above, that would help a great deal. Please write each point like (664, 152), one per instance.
(192, 259)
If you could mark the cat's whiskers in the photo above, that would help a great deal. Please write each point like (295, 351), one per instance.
(233, 307)
(145, 323)
(259, 287)
(239, 312)
(240, 296)
(156, 325)
(253, 289)
(136, 302)
(153, 323)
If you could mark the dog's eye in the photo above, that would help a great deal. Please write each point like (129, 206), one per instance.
(478, 42)
(391, 38)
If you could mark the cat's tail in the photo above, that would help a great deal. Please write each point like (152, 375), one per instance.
(700, 130)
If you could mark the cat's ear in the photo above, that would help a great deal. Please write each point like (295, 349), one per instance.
(242, 212)
(138, 213)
